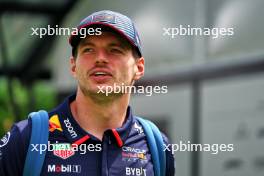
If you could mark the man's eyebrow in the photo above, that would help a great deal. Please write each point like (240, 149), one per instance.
(85, 43)
(118, 45)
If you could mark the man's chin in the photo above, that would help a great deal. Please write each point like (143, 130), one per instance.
(103, 95)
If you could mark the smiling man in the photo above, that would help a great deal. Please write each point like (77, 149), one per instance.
(103, 60)
(108, 139)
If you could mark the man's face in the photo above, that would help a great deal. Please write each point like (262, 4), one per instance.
(105, 60)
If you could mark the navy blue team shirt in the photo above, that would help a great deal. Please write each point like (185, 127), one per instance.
(73, 151)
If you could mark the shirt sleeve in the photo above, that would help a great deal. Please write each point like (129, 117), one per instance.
(13, 149)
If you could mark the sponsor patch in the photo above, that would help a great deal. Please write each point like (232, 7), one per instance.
(5, 139)
(60, 168)
(133, 171)
(104, 17)
(138, 128)
(63, 150)
(133, 154)
(54, 123)
(70, 128)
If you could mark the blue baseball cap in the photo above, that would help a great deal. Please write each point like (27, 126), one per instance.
(114, 20)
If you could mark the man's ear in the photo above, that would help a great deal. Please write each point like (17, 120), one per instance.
(73, 66)
(140, 64)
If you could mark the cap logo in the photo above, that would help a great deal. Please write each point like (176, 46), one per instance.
(104, 18)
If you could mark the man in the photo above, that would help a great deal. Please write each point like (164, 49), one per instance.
(110, 139)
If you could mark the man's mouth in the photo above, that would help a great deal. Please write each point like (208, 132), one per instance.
(100, 73)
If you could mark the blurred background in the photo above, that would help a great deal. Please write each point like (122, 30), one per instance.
(215, 86)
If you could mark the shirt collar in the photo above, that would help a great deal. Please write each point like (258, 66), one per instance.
(121, 134)
(72, 130)
(75, 134)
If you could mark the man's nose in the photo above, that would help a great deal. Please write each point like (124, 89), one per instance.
(101, 56)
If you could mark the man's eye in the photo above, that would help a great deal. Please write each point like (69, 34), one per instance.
(116, 50)
(88, 50)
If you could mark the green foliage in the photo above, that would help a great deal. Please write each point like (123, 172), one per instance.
(41, 93)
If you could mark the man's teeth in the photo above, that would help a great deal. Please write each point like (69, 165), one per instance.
(100, 73)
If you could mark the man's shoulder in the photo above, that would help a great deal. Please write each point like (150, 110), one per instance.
(22, 130)
(22, 126)
(20, 133)
(138, 126)
(170, 168)
(13, 148)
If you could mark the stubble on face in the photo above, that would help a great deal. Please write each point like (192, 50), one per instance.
(101, 97)
(121, 75)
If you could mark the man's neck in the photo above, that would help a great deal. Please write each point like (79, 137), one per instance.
(95, 118)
